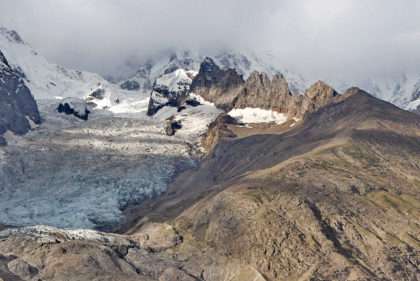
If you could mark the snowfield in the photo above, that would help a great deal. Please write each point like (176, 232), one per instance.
(257, 115)
(44, 234)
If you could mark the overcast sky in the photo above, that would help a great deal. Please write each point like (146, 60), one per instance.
(319, 38)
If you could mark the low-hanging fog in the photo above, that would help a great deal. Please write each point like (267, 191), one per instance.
(345, 39)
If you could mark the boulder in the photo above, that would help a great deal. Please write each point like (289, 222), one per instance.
(171, 126)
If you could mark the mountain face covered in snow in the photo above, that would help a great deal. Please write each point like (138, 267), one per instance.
(170, 89)
(17, 105)
(403, 91)
(48, 81)
(244, 63)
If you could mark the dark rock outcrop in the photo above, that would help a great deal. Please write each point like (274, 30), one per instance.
(17, 105)
(75, 107)
(171, 126)
(130, 85)
(217, 85)
(98, 94)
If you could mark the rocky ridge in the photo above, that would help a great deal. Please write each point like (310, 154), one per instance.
(228, 90)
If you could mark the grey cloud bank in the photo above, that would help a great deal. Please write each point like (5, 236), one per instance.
(346, 39)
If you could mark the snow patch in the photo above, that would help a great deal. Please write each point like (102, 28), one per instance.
(49, 234)
(200, 99)
(257, 115)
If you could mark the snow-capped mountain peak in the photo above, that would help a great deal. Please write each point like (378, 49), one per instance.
(47, 81)
(401, 90)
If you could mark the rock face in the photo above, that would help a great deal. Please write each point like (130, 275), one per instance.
(262, 92)
(217, 85)
(217, 131)
(17, 105)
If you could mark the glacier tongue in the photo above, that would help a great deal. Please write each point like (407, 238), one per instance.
(76, 174)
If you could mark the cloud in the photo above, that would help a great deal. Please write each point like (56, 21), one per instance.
(320, 38)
